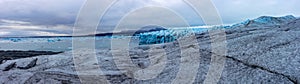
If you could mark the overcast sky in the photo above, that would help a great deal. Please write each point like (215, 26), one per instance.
(56, 17)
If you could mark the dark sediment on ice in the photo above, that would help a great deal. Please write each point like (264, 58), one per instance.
(11, 55)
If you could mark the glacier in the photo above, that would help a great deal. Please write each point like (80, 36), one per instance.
(161, 35)
(169, 35)
(172, 34)
(153, 37)
(264, 21)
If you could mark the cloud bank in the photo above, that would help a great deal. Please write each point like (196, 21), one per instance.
(56, 17)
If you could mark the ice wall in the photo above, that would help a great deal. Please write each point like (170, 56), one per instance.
(165, 36)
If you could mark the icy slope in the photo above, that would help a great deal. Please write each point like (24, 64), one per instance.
(266, 21)
(170, 35)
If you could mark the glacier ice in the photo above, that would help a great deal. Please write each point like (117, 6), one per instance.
(10, 40)
(265, 21)
(24, 40)
(165, 36)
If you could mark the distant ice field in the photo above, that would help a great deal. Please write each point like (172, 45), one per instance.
(65, 43)
(53, 44)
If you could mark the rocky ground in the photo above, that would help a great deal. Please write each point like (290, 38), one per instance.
(268, 55)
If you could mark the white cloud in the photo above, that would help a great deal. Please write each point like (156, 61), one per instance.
(2, 33)
(13, 21)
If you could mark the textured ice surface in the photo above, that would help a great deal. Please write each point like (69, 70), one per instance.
(266, 21)
(268, 55)
(173, 34)
(165, 36)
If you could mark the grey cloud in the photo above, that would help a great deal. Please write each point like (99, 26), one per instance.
(41, 12)
(120, 9)
(49, 17)
(58, 16)
(233, 11)
(21, 28)
(18, 33)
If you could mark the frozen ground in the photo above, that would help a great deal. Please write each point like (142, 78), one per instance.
(265, 54)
